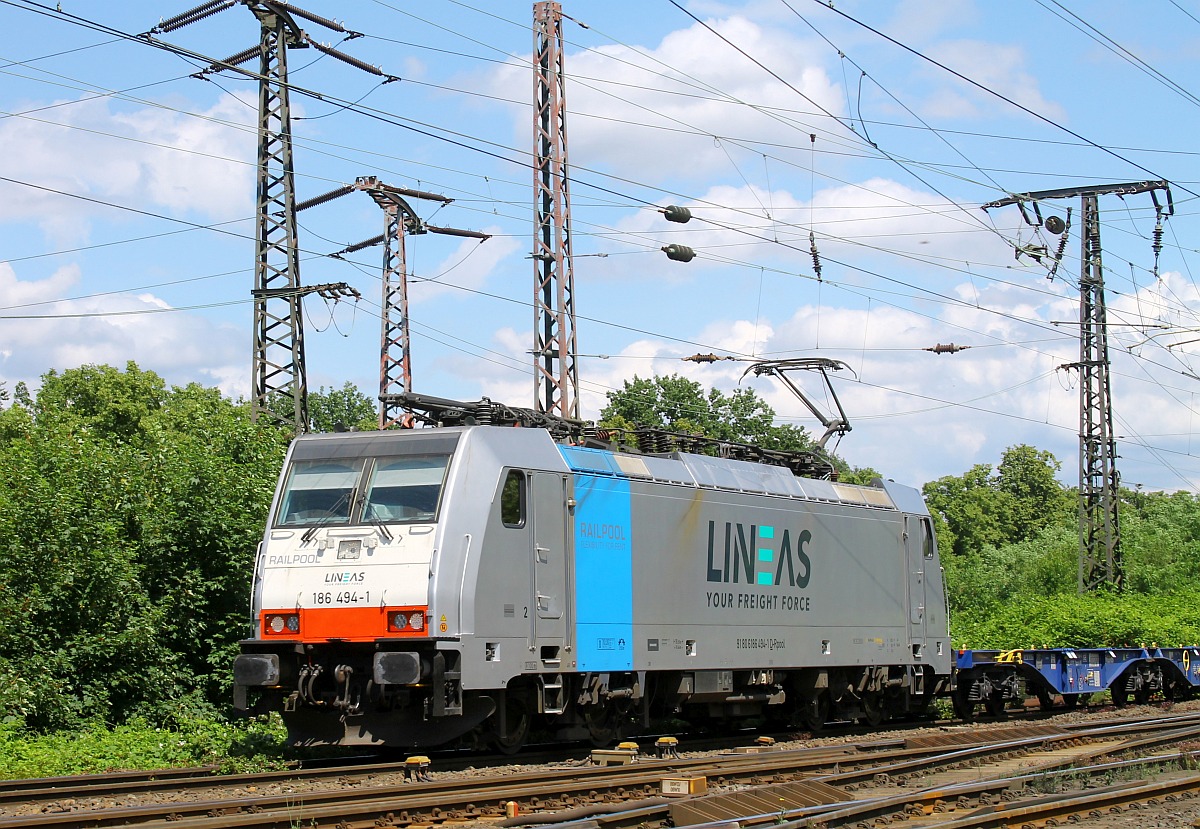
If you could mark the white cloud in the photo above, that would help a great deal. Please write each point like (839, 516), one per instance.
(917, 21)
(469, 266)
(110, 329)
(151, 158)
(998, 67)
(651, 112)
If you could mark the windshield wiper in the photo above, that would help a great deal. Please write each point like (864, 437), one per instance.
(330, 515)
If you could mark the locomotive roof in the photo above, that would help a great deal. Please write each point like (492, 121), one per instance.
(681, 468)
(710, 472)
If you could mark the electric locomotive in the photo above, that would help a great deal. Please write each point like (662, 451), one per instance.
(420, 586)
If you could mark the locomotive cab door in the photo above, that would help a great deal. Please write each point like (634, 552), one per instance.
(915, 545)
(548, 629)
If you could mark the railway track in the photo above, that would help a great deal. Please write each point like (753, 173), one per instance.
(352, 770)
(629, 794)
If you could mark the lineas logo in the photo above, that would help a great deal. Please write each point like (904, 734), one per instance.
(756, 554)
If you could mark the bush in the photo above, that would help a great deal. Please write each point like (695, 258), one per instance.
(230, 747)
(1089, 621)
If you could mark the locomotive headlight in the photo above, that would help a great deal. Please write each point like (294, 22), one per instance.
(279, 623)
(406, 620)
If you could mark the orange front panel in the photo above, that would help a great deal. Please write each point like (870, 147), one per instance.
(354, 624)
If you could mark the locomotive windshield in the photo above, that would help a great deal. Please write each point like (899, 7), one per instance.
(404, 489)
(319, 491)
(397, 489)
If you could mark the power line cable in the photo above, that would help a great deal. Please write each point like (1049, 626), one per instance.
(994, 93)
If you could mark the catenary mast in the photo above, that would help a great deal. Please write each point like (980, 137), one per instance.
(556, 373)
(1100, 562)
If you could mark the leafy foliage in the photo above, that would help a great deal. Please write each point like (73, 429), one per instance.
(247, 746)
(133, 512)
(677, 404)
(980, 508)
(1092, 620)
(1011, 587)
(342, 409)
(983, 584)
(1160, 535)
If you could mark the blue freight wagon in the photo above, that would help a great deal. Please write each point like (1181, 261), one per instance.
(994, 678)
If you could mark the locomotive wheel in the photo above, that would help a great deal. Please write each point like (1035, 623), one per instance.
(606, 721)
(815, 712)
(872, 709)
(517, 724)
(601, 729)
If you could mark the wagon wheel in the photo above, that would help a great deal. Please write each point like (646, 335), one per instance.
(1120, 692)
(1045, 699)
(518, 719)
(872, 709)
(994, 704)
(1142, 695)
(1071, 700)
(815, 712)
(964, 709)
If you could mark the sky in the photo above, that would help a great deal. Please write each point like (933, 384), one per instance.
(871, 133)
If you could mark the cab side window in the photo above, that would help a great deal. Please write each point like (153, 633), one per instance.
(927, 537)
(512, 499)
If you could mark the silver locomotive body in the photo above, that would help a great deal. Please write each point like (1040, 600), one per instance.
(418, 586)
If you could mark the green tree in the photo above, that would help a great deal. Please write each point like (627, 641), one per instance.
(132, 513)
(965, 510)
(677, 404)
(1160, 540)
(982, 508)
(344, 408)
(1035, 498)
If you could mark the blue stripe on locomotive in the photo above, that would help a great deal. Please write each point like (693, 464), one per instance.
(603, 572)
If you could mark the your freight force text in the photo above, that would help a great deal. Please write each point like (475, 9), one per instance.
(758, 601)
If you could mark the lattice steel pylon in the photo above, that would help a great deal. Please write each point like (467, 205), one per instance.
(1099, 530)
(395, 361)
(555, 357)
(1100, 563)
(279, 371)
(278, 368)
